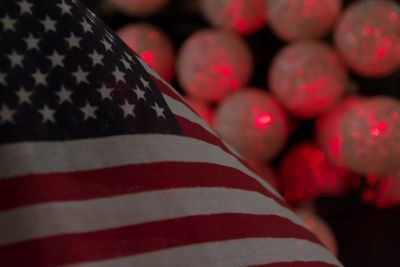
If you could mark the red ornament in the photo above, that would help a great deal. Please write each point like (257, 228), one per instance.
(319, 227)
(253, 123)
(327, 131)
(301, 19)
(138, 7)
(368, 37)
(203, 109)
(385, 192)
(371, 136)
(305, 173)
(152, 45)
(307, 77)
(213, 63)
(243, 16)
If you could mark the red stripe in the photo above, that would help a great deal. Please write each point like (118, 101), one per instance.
(80, 185)
(297, 264)
(124, 241)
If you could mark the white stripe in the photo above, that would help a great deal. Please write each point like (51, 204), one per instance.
(87, 154)
(240, 252)
(48, 219)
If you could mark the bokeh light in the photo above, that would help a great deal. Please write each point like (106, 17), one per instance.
(152, 45)
(307, 77)
(252, 121)
(327, 130)
(319, 227)
(138, 7)
(213, 63)
(301, 19)
(243, 16)
(384, 192)
(368, 37)
(305, 173)
(371, 136)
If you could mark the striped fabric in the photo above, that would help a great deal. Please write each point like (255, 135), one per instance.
(102, 163)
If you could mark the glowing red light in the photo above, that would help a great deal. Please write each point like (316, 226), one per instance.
(374, 131)
(262, 120)
(381, 52)
(366, 30)
(154, 47)
(253, 123)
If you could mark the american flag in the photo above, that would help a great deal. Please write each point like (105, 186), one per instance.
(102, 163)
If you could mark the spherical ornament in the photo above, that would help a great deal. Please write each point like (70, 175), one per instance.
(138, 7)
(371, 136)
(253, 123)
(385, 193)
(203, 109)
(152, 45)
(243, 16)
(368, 37)
(294, 20)
(305, 173)
(319, 227)
(266, 172)
(307, 77)
(327, 130)
(212, 63)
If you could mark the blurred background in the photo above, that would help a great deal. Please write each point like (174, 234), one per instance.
(323, 104)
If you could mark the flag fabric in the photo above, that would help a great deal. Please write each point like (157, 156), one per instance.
(102, 163)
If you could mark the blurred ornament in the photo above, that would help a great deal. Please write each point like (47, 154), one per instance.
(301, 19)
(371, 136)
(319, 227)
(138, 7)
(327, 130)
(368, 37)
(213, 63)
(152, 45)
(385, 191)
(307, 77)
(203, 109)
(305, 173)
(243, 16)
(265, 171)
(253, 123)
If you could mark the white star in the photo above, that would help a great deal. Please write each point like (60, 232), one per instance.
(25, 7)
(139, 93)
(105, 92)
(16, 59)
(144, 82)
(129, 57)
(80, 75)
(89, 111)
(96, 57)
(86, 26)
(6, 114)
(32, 42)
(106, 44)
(49, 24)
(65, 9)
(126, 64)
(119, 75)
(47, 113)
(73, 41)
(3, 79)
(128, 109)
(8, 23)
(56, 59)
(159, 110)
(40, 78)
(24, 96)
(64, 95)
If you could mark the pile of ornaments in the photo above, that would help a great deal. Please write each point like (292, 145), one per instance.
(355, 135)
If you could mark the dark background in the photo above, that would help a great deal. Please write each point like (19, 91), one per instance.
(366, 236)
